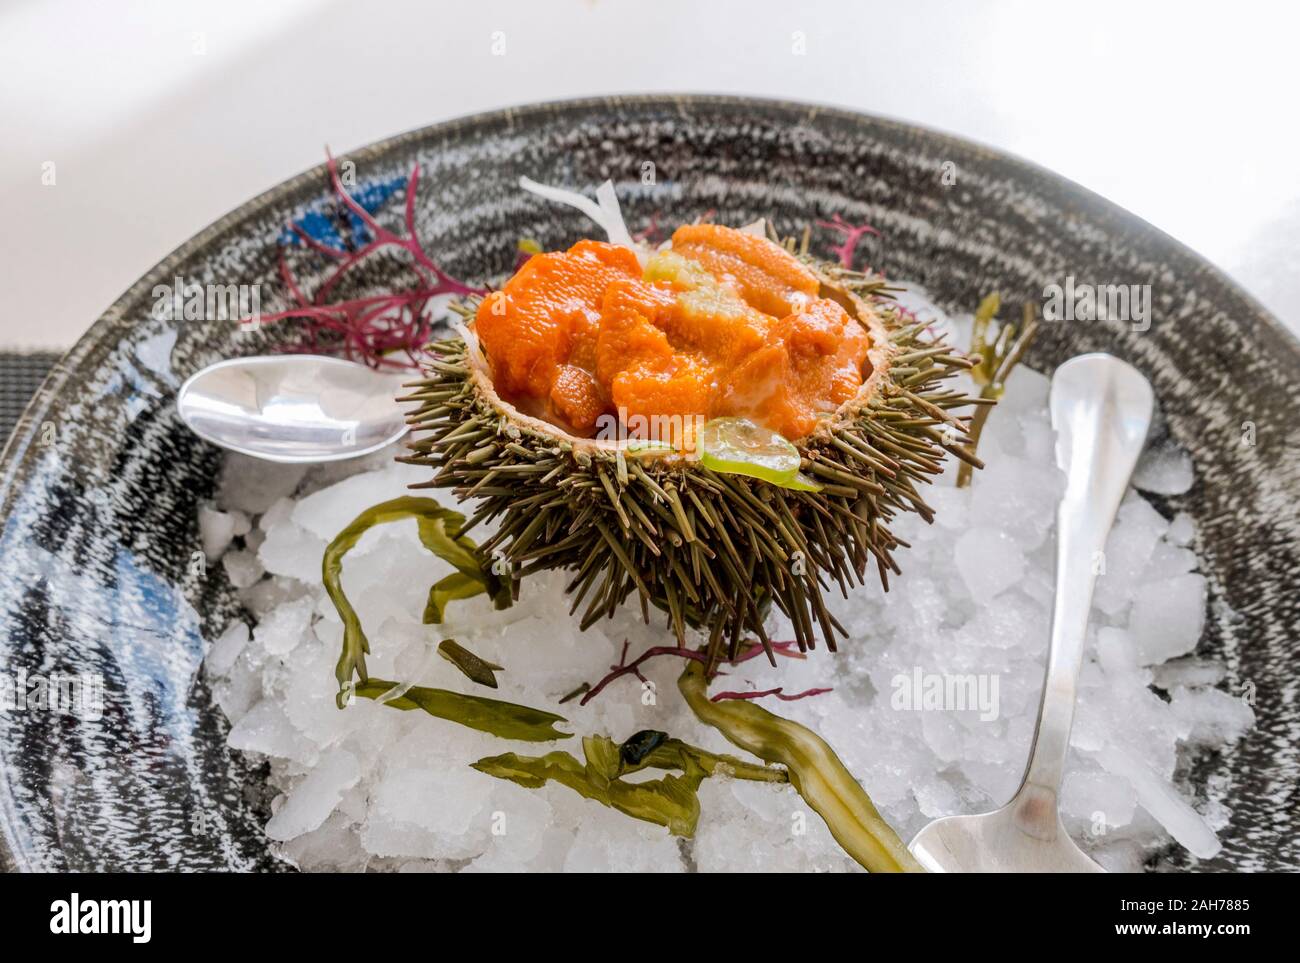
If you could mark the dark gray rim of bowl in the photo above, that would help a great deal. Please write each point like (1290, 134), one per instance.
(1096, 207)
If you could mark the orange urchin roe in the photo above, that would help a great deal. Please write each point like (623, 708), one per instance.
(766, 275)
(646, 374)
(548, 314)
(810, 365)
(725, 323)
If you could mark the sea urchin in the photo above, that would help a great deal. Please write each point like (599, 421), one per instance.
(711, 548)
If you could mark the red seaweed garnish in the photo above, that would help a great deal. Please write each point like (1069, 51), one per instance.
(852, 233)
(788, 649)
(779, 692)
(652, 233)
(381, 330)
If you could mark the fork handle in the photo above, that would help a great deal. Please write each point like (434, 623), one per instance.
(1101, 410)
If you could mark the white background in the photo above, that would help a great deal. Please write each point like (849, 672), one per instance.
(162, 116)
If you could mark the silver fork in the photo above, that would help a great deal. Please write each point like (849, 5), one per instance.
(1101, 410)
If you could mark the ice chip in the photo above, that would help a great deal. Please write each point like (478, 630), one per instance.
(242, 568)
(266, 729)
(327, 512)
(989, 561)
(331, 848)
(1098, 799)
(1162, 801)
(1188, 672)
(290, 550)
(226, 649)
(1213, 717)
(1164, 470)
(284, 626)
(1167, 618)
(312, 800)
(1182, 529)
(252, 485)
(216, 530)
(1116, 652)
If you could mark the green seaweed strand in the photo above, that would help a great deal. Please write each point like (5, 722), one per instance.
(670, 801)
(815, 771)
(504, 719)
(440, 533)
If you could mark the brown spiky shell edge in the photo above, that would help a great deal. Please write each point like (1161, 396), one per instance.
(713, 550)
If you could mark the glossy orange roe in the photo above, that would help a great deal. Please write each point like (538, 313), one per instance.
(810, 365)
(766, 275)
(727, 324)
(546, 318)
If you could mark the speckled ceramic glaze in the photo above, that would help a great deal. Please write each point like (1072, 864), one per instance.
(100, 484)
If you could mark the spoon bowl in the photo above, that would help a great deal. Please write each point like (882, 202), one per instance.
(293, 408)
(1003, 841)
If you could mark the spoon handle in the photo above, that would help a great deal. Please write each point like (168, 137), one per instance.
(1101, 410)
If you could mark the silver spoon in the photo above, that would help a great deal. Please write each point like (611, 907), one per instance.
(1101, 410)
(294, 407)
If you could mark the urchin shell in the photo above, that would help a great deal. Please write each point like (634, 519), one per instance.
(712, 550)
